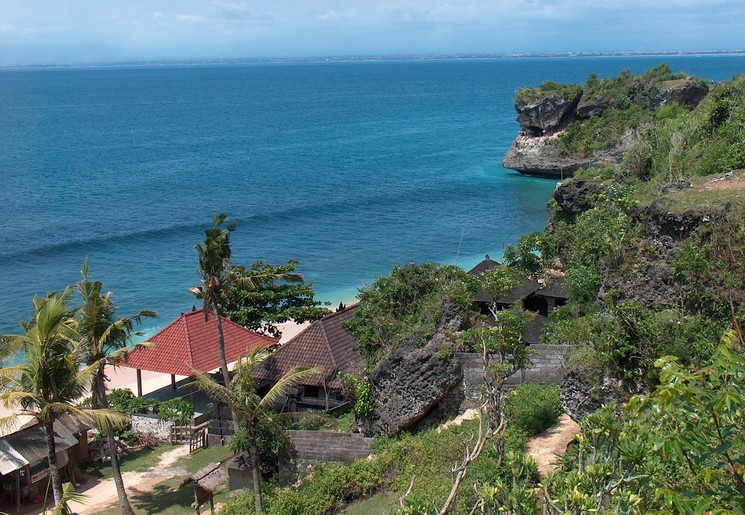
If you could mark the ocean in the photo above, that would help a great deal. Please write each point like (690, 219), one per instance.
(348, 167)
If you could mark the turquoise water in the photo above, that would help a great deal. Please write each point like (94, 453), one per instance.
(349, 167)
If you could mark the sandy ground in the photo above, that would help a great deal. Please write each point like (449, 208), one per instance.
(102, 495)
(551, 443)
(125, 377)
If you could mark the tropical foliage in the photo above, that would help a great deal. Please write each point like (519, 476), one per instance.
(254, 415)
(679, 450)
(104, 340)
(49, 381)
(272, 302)
(407, 304)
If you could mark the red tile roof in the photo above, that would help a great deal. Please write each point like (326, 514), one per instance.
(190, 343)
(324, 344)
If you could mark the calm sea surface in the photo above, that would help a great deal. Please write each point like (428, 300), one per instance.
(349, 167)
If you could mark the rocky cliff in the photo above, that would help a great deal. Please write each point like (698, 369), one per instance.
(546, 119)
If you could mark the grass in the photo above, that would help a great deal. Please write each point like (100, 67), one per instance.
(166, 497)
(138, 461)
(379, 503)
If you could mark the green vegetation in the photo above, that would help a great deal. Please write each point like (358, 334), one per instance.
(534, 408)
(256, 431)
(545, 90)
(123, 400)
(679, 450)
(407, 305)
(426, 456)
(273, 302)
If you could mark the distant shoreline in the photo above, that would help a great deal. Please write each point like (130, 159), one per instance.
(374, 58)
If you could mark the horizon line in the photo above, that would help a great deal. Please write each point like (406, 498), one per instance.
(374, 58)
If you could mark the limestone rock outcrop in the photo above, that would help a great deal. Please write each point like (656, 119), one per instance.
(547, 114)
(686, 92)
(412, 380)
(539, 155)
(542, 121)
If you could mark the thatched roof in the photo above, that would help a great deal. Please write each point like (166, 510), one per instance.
(209, 478)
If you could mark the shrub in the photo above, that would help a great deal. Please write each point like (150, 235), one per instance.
(534, 408)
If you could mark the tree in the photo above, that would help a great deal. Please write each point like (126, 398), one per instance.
(408, 303)
(216, 269)
(104, 341)
(253, 413)
(273, 302)
(49, 381)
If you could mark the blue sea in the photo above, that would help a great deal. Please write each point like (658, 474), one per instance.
(349, 167)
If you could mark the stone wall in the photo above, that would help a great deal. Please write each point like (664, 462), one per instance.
(150, 424)
(330, 446)
(548, 368)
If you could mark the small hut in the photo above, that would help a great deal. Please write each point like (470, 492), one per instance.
(207, 481)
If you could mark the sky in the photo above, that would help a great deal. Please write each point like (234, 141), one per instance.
(102, 31)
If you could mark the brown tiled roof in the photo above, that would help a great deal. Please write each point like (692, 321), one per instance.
(554, 289)
(323, 344)
(189, 343)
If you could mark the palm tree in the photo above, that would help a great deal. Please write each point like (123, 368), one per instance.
(104, 340)
(252, 412)
(216, 269)
(49, 382)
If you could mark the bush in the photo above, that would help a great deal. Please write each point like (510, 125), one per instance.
(534, 408)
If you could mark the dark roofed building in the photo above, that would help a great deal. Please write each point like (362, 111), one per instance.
(324, 344)
(553, 295)
(521, 291)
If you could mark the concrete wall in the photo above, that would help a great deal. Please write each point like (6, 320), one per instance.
(330, 446)
(548, 368)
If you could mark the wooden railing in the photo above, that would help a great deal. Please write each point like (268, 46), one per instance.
(195, 435)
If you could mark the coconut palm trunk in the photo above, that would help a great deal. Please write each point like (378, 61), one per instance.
(101, 401)
(221, 345)
(52, 456)
(255, 465)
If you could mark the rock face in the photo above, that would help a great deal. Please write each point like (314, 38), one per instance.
(688, 93)
(534, 151)
(547, 115)
(540, 156)
(411, 381)
(579, 398)
(573, 197)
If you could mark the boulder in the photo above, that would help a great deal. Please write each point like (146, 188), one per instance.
(575, 197)
(411, 380)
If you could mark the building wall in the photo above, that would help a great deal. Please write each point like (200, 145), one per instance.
(330, 446)
(548, 368)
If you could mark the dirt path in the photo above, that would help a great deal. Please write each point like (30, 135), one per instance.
(102, 495)
(552, 442)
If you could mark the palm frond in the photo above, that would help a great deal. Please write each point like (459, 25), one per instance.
(288, 381)
(216, 391)
(68, 494)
